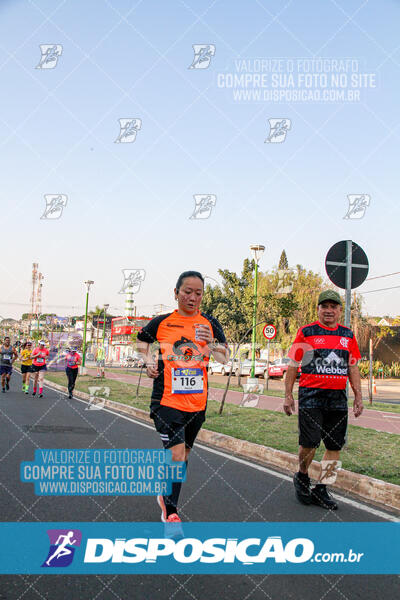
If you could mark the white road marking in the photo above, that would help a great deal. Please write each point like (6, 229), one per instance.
(349, 501)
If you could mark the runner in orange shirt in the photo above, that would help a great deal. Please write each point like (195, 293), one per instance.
(186, 337)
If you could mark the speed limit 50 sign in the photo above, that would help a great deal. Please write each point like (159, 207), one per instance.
(269, 332)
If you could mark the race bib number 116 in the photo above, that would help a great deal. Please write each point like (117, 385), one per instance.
(187, 381)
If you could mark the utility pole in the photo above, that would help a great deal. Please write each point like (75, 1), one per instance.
(88, 284)
(370, 370)
(257, 251)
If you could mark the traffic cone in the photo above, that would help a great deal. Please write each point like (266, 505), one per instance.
(373, 387)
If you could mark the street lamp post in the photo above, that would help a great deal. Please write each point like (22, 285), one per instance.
(104, 322)
(257, 251)
(88, 284)
(104, 328)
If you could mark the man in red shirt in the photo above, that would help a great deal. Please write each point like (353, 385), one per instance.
(328, 353)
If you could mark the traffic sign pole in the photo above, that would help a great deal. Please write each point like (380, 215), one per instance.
(267, 378)
(269, 332)
(345, 273)
(347, 312)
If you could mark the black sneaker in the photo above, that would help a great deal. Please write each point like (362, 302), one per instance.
(302, 486)
(33, 393)
(70, 396)
(321, 497)
(40, 395)
(3, 390)
(7, 385)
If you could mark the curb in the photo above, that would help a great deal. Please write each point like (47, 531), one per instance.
(385, 494)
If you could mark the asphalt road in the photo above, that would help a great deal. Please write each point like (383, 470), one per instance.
(219, 488)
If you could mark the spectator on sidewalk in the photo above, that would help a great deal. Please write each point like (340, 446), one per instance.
(100, 360)
(329, 354)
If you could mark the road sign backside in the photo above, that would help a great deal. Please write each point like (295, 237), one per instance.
(336, 262)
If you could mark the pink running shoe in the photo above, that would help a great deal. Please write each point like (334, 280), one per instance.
(173, 518)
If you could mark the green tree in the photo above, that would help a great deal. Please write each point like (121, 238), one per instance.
(289, 311)
(283, 261)
(231, 303)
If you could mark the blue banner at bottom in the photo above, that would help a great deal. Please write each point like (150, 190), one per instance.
(199, 548)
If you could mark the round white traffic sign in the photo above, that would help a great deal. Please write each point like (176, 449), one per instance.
(269, 332)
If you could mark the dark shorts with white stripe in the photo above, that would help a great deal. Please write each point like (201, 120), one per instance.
(177, 426)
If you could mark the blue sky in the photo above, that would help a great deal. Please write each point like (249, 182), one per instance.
(129, 204)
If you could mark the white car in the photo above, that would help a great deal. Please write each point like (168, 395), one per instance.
(134, 360)
(260, 367)
(216, 367)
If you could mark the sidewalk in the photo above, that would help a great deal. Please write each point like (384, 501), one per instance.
(370, 419)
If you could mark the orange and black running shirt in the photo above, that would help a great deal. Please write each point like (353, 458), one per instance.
(325, 354)
(182, 360)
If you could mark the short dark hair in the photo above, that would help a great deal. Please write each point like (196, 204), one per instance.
(186, 274)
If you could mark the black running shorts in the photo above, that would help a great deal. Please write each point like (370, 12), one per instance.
(36, 368)
(177, 426)
(316, 424)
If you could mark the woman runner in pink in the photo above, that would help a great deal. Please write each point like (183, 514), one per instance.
(39, 356)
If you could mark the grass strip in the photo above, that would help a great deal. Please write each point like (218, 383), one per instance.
(369, 452)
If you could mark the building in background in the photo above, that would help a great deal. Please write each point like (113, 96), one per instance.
(121, 342)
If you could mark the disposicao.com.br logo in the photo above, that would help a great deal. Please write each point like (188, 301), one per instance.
(193, 553)
(247, 551)
(200, 548)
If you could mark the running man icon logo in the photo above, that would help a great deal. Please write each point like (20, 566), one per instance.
(50, 55)
(98, 395)
(132, 280)
(278, 129)
(358, 204)
(203, 205)
(329, 471)
(128, 130)
(202, 56)
(63, 543)
(251, 394)
(55, 203)
(286, 278)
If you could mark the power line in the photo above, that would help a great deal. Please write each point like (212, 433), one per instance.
(381, 290)
(380, 276)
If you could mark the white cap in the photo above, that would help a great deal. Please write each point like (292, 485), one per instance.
(42, 343)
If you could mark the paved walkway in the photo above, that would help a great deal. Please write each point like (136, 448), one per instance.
(370, 419)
